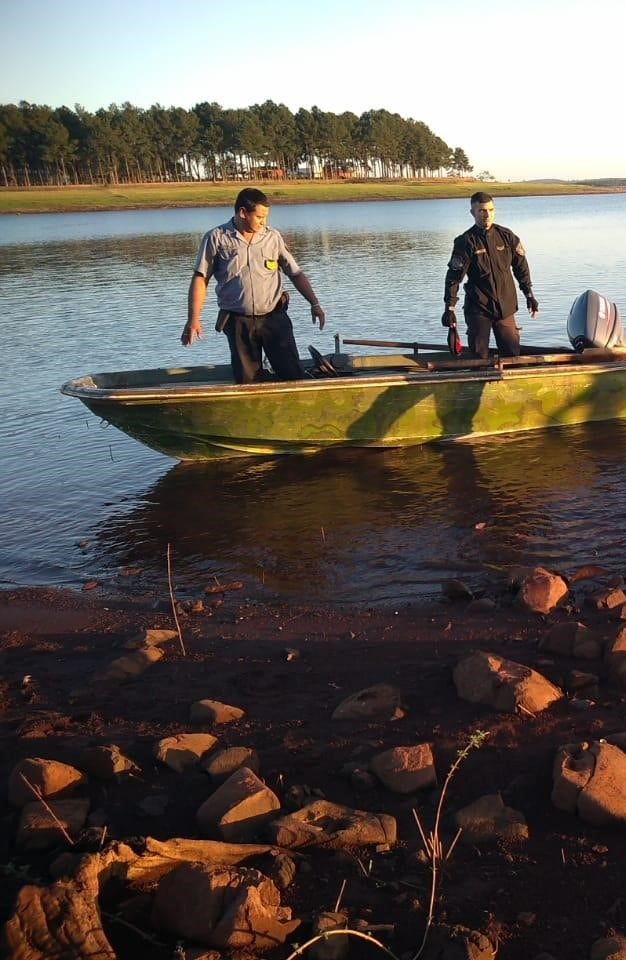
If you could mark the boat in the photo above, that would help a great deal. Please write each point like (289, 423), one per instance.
(413, 395)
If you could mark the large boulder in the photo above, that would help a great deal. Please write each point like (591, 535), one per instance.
(35, 777)
(503, 684)
(184, 749)
(590, 779)
(379, 702)
(541, 590)
(326, 824)
(229, 908)
(489, 819)
(238, 808)
(405, 769)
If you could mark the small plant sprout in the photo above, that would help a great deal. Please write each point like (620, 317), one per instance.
(433, 846)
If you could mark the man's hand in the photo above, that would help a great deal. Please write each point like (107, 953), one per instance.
(191, 331)
(533, 306)
(449, 317)
(318, 314)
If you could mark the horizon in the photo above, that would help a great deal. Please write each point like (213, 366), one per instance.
(507, 96)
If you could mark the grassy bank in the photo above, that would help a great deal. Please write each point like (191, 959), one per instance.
(137, 196)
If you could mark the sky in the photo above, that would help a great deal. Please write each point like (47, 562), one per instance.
(528, 90)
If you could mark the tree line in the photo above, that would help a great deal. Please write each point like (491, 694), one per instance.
(42, 146)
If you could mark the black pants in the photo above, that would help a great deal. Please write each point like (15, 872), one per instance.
(479, 327)
(248, 337)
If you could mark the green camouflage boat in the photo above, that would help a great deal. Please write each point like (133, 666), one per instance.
(393, 400)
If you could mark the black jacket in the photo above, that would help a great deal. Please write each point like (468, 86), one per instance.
(487, 257)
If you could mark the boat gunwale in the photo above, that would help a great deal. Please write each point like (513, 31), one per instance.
(77, 387)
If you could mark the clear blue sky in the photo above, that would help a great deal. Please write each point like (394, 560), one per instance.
(528, 89)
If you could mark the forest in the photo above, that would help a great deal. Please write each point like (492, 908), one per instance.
(45, 146)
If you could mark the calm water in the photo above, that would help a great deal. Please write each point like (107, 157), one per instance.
(87, 292)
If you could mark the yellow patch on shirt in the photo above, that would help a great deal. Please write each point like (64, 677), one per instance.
(271, 264)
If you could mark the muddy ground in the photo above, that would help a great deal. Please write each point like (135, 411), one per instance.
(288, 667)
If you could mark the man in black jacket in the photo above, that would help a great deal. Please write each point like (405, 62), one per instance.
(487, 253)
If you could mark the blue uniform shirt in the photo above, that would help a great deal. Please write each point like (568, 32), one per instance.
(247, 275)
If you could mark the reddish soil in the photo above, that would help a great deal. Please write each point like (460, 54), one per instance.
(556, 892)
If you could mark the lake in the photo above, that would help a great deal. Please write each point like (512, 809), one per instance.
(88, 292)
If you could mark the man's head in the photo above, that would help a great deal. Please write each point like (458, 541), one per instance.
(483, 209)
(252, 209)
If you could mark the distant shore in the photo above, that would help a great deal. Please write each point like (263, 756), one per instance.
(76, 199)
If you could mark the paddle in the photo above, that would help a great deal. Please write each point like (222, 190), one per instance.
(401, 344)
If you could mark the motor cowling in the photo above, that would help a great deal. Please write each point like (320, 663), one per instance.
(594, 321)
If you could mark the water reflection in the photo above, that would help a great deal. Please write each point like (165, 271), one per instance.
(372, 527)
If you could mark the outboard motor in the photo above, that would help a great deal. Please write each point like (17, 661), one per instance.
(594, 322)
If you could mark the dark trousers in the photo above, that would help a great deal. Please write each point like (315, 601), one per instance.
(479, 327)
(248, 337)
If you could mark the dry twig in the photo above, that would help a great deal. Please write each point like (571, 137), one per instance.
(173, 601)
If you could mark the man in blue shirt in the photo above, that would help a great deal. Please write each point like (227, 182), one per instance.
(247, 258)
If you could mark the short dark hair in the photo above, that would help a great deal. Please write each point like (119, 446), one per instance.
(480, 197)
(249, 198)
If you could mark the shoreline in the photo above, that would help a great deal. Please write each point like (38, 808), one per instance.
(288, 666)
(107, 198)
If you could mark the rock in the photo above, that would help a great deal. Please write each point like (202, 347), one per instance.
(590, 779)
(222, 763)
(609, 948)
(405, 769)
(572, 639)
(618, 644)
(459, 943)
(617, 739)
(230, 908)
(154, 805)
(161, 856)
(212, 711)
(616, 657)
(609, 598)
(106, 762)
(51, 778)
(35, 930)
(322, 823)
(489, 819)
(456, 590)
(283, 871)
(362, 779)
(331, 948)
(150, 638)
(238, 808)
(296, 796)
(381, 702)
(503, 684)
(541, 590)
(184, 749)
(133, 665)
(38, 828)
(578, 680)
(199, 953)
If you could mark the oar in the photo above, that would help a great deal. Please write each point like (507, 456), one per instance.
(398, 344)
(414, 345)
